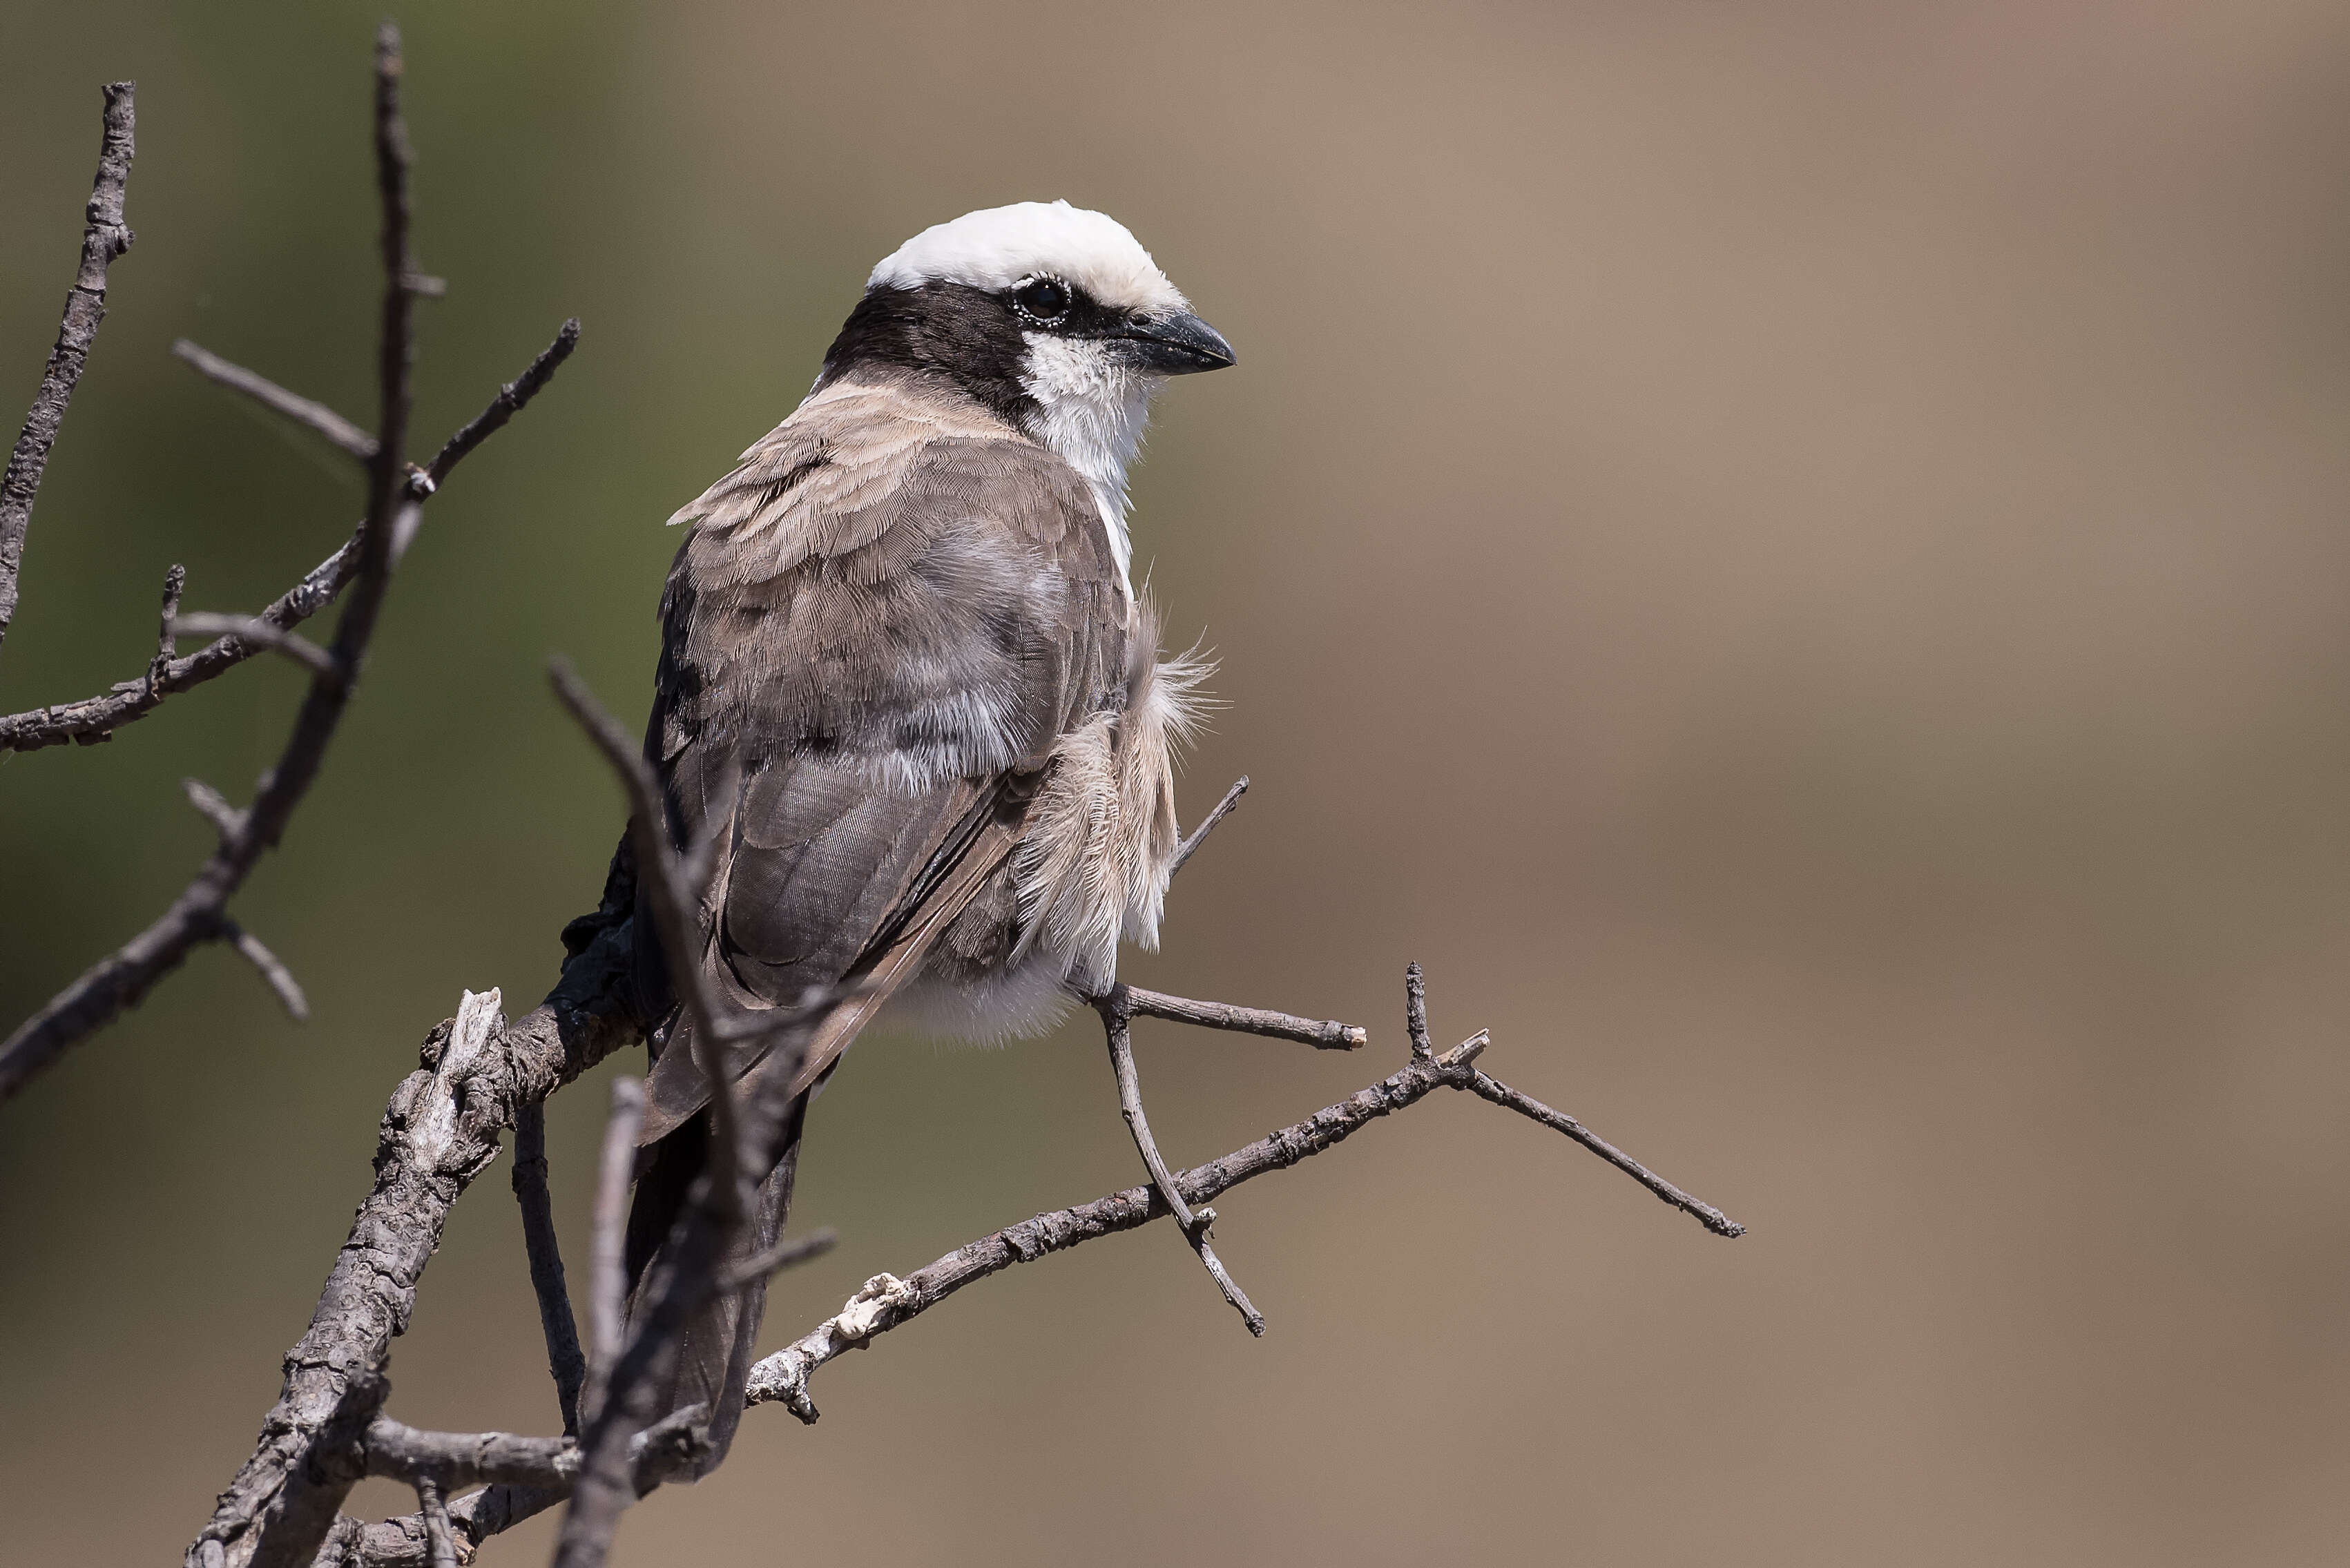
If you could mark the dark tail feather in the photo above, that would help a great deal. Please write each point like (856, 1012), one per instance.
(716, 1349)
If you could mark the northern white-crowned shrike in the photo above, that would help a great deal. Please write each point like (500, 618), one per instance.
(908, 691)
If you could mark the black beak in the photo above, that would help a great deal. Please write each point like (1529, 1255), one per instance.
(1176, 344)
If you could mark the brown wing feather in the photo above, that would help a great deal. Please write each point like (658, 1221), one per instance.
(885, 699)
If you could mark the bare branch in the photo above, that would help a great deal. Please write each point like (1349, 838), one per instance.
(1191, 846)
(537, 1471)
(440, 1131)
(527, 1476)
(104, 237)
(252, 628)
(120, 980)
(511, 400)
(1194, 1227)
(214, 806)
(273, 968)
(93, 720)
(565, 1360)
(442, 1127)
(315, 416)
(887, 1302)
(396, 344)
(1500, 1094)
(608, 1278)
(1324, 1034)
(789, 1254)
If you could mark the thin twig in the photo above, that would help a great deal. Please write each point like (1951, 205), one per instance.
(1500, 1094)
(511, 400)
(93, 720)
(273, 968)
(442, 1539)
(396, 343)
(1191, 846)
(1194, 1227)
(214, 806)
(104, 236)
(565, 1361)
(784, 1254)
(1468, 1051)
(312, 415)
(607, 1275)
(1324, 1034)
(253, 629)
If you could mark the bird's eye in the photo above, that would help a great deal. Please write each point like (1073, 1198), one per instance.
(1042, 299)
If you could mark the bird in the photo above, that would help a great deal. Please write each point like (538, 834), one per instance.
(908, 696)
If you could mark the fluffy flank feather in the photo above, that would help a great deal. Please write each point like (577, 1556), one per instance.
(1093, 862)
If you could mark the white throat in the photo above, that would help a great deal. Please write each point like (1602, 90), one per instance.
(1091, 409)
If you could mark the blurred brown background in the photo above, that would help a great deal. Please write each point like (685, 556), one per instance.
(1794, 553)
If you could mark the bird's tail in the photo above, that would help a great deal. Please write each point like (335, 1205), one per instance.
(714, 1348)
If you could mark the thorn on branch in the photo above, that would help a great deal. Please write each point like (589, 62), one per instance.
(1468, 1051)
(273, 968)
(308, 412)
(214, 806)
(1223, 808)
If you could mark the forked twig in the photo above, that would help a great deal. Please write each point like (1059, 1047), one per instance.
(1114, 1018)
(888, 1302)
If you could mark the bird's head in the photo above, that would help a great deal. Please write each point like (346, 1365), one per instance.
(1053, 316)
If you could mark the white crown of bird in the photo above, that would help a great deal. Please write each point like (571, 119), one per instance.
(997, 247)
